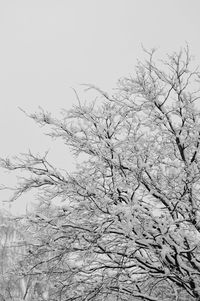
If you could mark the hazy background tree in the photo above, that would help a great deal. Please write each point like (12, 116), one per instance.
(128, 224)
(16, 282)
(12, 250)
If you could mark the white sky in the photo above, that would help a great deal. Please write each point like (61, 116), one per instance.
(49, 46)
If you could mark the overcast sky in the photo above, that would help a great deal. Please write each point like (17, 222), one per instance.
(49, 46)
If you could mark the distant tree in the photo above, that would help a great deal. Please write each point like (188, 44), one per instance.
(15, 242)
(129, 226)
(12, 246)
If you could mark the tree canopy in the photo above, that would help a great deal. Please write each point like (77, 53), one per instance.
(128, 224)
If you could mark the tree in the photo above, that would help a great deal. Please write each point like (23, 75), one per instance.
(129, 223)
(15, 283)
(12, 245)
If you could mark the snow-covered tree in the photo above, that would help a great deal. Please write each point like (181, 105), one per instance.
(16, 284)
(128, 226)
(12, 249)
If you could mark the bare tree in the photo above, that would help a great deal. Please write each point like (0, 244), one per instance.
(129, 226)
(12, 244)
